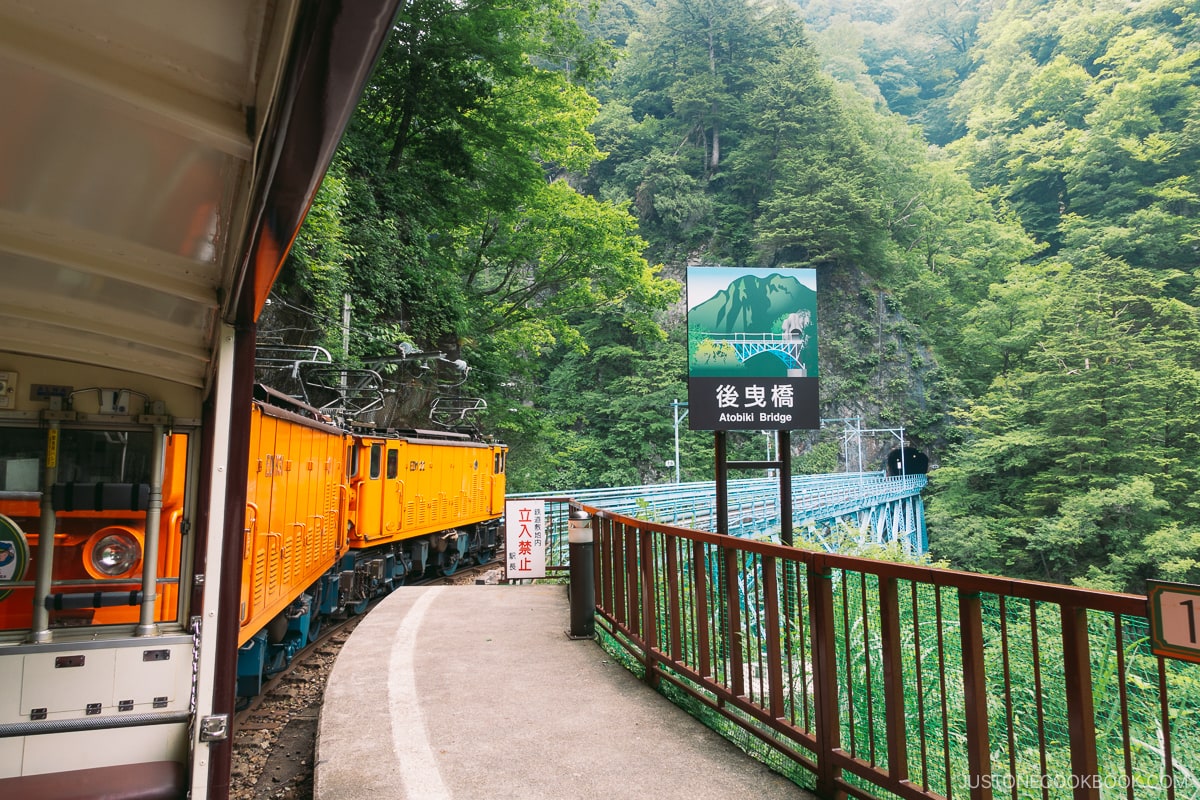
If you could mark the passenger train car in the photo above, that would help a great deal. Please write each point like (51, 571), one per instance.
(156, 160)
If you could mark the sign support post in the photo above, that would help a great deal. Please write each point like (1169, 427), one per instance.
(783, 466)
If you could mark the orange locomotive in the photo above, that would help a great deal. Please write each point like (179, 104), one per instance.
(334, 518)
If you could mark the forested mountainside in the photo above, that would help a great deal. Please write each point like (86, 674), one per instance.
(1000, 200)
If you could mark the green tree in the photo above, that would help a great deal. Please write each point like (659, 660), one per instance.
(451, 220)
(1084, 447)
(529, 274)
(1084, 118)
(822, 204)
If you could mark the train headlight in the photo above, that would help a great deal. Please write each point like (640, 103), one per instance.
(114, 552)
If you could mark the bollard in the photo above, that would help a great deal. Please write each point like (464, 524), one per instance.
(583, 584)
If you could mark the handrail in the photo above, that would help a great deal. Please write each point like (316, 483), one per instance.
(1115, 602)
(342, 534)
(887, 679)
(249, 530)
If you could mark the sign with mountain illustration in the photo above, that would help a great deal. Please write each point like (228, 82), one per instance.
(752, 348)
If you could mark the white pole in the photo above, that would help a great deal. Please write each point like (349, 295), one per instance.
(675, 406)
(675, 413)
(345, 338)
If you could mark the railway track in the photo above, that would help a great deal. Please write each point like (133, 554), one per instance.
(275, 733)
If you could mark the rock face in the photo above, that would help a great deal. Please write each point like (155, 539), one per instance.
(876, 365)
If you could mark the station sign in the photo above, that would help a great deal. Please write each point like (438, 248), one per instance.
(525, 536)
(1174, 611)
(752, 348)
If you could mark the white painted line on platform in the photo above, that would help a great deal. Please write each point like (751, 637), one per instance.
(419, 772)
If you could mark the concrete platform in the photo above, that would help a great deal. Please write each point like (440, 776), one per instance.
(476, 692)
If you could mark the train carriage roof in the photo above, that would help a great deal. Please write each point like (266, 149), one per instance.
(156, 159)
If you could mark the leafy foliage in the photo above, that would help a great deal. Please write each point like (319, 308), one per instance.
(1080, 451)
(1022, 297)
(1085, 445)
(447, 215)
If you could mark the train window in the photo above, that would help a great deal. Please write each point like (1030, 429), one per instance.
(376, 460)
(100, 494)
(351, 461)
(20, 459)
(393, 464)
(498, 467)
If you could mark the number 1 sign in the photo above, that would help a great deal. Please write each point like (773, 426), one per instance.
(1174, 619)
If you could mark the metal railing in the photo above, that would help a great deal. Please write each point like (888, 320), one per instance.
(882, 679)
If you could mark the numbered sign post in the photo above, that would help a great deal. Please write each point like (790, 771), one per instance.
(1174, 620)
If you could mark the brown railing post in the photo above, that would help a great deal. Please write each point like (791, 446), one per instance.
(700, 580)
(632, 576)
(674, 595)
(893, 679)
(1081, 720)
(979, 759)
(649, 612)
(620, 577)
(1165, 720)
(770, 589)
(825, 685)
(599, 563)
(733, 632)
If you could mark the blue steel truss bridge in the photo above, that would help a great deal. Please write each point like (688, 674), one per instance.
(862, 507)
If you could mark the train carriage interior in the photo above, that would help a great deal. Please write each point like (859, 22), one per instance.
(156, 159)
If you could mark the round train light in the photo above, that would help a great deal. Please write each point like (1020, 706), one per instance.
(114, 552)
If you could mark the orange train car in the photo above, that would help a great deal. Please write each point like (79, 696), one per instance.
(428, 489)
(334, 518)
(295, 504)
